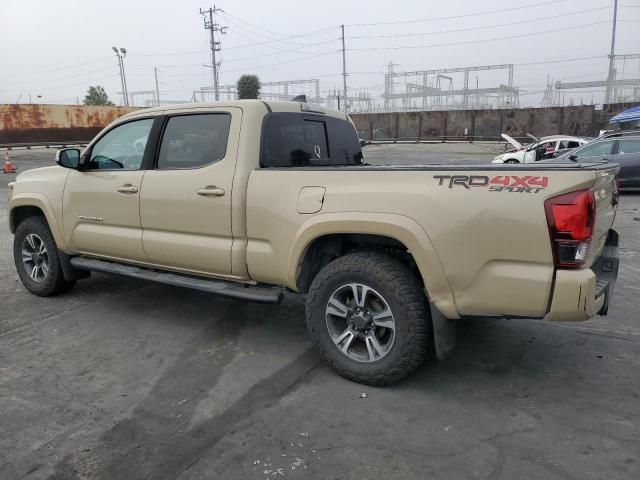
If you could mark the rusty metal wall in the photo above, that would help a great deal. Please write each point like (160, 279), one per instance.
(50, 123)
(582, 120)
(59, 123)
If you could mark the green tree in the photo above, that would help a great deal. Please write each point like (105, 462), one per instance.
(248, 87)
(97, 96)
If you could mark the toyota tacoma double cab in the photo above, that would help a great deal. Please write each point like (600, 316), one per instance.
(249, 198)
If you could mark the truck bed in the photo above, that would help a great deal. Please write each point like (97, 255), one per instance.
(479, 233)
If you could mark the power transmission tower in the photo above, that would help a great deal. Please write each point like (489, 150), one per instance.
(215, 46)
(344, 73)
(610, 77)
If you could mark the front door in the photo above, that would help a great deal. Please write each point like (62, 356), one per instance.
(530, 154)
(101, 203)
(185, 201)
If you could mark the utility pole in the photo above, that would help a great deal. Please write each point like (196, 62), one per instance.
(215, 46)
(611, 76)
(155, 72)
(344, 73)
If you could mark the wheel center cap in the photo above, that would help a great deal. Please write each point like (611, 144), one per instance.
(360, 322)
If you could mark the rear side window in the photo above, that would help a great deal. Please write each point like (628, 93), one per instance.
(299, 140)
(193, 141)
(569, 144)
(595, 150)
(629, 146)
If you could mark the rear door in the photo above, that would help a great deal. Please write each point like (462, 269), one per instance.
(628, 157)
(185, 200)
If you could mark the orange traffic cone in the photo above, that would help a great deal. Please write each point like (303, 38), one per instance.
(8, 166)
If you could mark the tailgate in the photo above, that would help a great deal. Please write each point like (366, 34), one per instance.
(606, 195)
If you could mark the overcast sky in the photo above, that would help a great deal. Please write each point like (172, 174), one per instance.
(56, 48)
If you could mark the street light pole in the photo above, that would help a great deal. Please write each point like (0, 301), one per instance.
(121, 53)
(155, 71)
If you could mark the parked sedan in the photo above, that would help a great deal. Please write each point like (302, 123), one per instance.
(541, 149)
(623, 149)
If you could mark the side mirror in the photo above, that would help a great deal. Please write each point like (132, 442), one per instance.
(68, 158)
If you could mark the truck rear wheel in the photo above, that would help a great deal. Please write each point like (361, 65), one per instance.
(366, 313)
(36, 257)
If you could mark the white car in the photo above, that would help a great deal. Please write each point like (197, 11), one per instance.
(542, 148)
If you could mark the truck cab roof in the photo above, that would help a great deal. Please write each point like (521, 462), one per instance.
(271, 106)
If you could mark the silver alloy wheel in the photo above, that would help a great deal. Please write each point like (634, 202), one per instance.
(35, 258)
(360, 322)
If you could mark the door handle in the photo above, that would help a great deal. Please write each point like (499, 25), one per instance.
(128, 188)
(211, 191)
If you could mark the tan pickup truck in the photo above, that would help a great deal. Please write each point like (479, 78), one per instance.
(249, 198)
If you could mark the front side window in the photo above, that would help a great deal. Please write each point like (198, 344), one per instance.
(596, 150)
(122, 147)
(193, 141)
(299, 140)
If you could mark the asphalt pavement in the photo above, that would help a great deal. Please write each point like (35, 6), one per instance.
(122, 379)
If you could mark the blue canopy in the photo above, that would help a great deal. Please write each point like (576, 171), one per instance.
(629, 115)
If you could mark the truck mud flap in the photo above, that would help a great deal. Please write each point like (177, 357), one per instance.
(606, 270)
(444, 333)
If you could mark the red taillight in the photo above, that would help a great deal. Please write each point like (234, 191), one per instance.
(571, 219)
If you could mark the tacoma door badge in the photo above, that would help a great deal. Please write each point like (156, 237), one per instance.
(90, 219)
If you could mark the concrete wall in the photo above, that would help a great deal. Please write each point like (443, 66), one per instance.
(582, 120)
(45, 123)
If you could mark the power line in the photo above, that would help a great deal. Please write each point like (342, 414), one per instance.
(53, 80)
(68, 67)
(256, 67)
(469, 29)
(269, 42)
(452, 17)
(468, 42)
(256, 42)
(564, 60)
(254, 37)
(283, 51)
(277, 34)
(56, 87)
(191, 52)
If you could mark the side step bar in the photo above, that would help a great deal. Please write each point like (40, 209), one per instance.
(219, 287)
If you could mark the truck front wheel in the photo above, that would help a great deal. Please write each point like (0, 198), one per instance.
(366, 313)
(36, 257)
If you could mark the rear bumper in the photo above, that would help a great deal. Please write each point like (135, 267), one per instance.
(580, 294)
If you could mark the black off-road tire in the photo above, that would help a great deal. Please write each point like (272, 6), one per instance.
(404, 293)
(54, 282)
